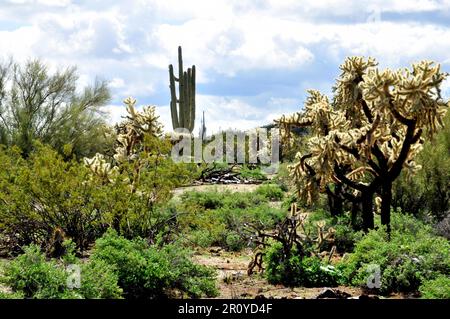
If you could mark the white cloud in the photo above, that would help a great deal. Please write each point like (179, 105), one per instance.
(131, 43)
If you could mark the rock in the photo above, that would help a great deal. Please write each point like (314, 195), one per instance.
(332, 293)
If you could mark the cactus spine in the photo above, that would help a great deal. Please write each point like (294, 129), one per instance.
(183, 116)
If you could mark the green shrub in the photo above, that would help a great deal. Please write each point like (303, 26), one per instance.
(34, 277)
(150, 272)
(283, 178)
(271, 192)
(44, 193)
(11, 295)
(99, 281)
(234, 241)
(213, 218)
(295, 270)
(252, 174)
(438, 288)
(30, 275)
(412, 255)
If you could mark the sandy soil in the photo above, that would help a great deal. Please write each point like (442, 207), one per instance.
(216, 187)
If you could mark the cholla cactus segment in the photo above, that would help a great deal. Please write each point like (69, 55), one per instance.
(101, 168)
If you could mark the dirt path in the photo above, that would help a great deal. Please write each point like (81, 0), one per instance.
(216, 187)
(234, 283)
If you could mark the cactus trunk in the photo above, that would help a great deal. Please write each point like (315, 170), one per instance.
(183, 115)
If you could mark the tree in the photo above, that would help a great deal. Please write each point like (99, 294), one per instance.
(429, 190)
(371, 131)
(35, 104)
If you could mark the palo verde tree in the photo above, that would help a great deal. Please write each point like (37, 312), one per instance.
(372, 129)
(37, 104)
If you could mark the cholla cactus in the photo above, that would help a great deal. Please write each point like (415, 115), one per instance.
(369, 133)
(130, 135)
(101, 168)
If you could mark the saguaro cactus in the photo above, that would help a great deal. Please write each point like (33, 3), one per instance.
(183, 116)
(202, 131)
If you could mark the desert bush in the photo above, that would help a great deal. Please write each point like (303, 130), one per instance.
(438, 288)
(252, 173)
(45, 193)
(99, 281)
(443, 227)
(283, 178)
(411, 256)
(31, 275)
(345, 236)
(295, 270)
(271, 192)
(213, 218)
(153, 272)
(11, 295)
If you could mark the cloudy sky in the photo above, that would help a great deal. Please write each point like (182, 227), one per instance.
(255, 59)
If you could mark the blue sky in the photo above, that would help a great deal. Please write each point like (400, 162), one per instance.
(255, 59)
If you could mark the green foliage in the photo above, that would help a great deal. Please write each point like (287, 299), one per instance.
(234, 241)
(45, 192)
(295, 270)
(283, 178)
(438, 288)
(34, 277)
(411, 256)
(31, 275)
(429, 190)
(99, 280)
(345, 236)
(213, 218)
(271, 192)
(252, 173)
(11, 295)
(151, 272)
(35, 104)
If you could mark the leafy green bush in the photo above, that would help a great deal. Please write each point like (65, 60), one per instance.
(252, 174)
(150, 272)
(283, 178)
(412, 255)
(45, 193)
(438, 288)
(213, 218)
(99, 281)
(34, 277)
(30, 275)
(295, 270)
(11, 295)
(234, 241)
(272, 192)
